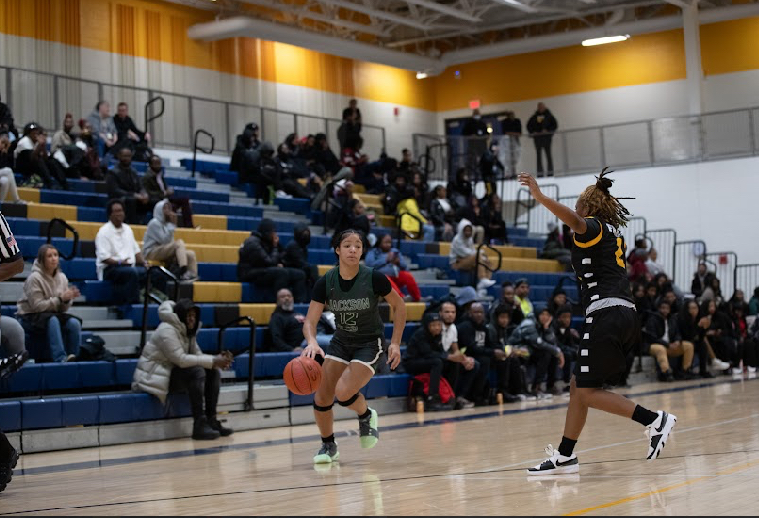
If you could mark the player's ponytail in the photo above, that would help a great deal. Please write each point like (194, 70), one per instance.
(601, 203)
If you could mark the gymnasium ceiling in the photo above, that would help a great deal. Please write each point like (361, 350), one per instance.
(428, 36)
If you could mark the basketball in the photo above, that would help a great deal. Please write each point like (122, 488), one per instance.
(302, 376)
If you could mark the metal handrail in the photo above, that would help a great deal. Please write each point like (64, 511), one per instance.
(329, 202)
(195, 148)
(149, 119)
(170, 276)
(428, 158)
(478, 263)
(401, 232)
(59, 221)
(251, 353)
(530, 202)
(735, 264)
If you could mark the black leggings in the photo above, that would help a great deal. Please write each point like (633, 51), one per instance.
(202, 384)
(462, 380)
(748, 350)
(433, 366)
(545, 364)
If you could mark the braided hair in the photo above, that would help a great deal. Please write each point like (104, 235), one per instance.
(599, 202)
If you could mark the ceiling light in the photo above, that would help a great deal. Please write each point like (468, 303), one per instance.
(421, 75)
(605, 39)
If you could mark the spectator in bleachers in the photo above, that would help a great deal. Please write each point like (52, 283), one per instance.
(261, 257)
(701, 280)
(119, 259)
(747, 349)
(407, 161)
(753, 304)
(567, 339)
(477, 132)
(43, 308)
(474, 340)
(491, 169)
(541, 126)
(652, 266)
(442, 215)
(460, 189)
(353, 114)
(353, 215)
(463, 255)
(159, 243)
(413, 221)
(398, 191)
(154, 184)
(504, 357)
(90, 166)
(12, 339)
(128, 136)
(420, 188)
(692, 326)
(461, 370)
(753, 337)
(245, 152)
(508, 299)
(474, 213)
(664, 341)
(522, 296)
(719, 335)
(351, 155)
(64, 137)
(495, 225)
(713, 292)
(172, 362)
(636, 262)
(738, 300)
(103, 127)
(325, 160)
(545, 354)
(668, 295)
(6, 121)
(33, 160)
(351, 126)
(122, 182)
(390, 262)
(7, 178)
(553, 248)
(557, 301)
(464, 300)
(285, 175)
(286, 326)
(425, 355)
(296, 254)
(511, 127)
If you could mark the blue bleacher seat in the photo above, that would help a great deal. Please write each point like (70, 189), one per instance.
(10, 415)
(80, 410)
(41, 413)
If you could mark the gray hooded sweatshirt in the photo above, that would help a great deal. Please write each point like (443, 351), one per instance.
(159, 231)
(461, 246)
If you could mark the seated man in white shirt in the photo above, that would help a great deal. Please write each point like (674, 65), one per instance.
(119, 259)
(462, 372)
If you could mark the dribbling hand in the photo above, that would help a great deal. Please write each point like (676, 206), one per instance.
(312, 350)
(394, 356)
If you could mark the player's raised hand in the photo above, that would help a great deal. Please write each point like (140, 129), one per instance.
(528, 181)
(394, 355)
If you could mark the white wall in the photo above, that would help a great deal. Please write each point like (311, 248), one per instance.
(32, 97)
(712, 201)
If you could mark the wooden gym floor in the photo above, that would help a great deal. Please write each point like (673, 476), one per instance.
(456, 463)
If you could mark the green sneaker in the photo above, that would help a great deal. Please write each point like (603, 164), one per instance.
(367, 430)
(327, 454)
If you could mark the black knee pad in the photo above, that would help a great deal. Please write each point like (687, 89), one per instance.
(350, 401)
(323, 408)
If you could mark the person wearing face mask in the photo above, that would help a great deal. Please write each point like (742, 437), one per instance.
(172, 362)
(296, 254)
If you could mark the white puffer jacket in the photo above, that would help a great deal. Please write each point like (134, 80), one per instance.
(169, 346)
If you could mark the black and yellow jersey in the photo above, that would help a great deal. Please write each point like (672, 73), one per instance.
(598, 259)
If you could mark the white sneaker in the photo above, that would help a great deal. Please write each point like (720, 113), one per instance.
(736, 371)
(658, 433)
(751, 370)
(719, 365)
(485, 284)
(556, 464)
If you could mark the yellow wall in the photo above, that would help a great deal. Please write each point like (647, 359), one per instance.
(158, 31)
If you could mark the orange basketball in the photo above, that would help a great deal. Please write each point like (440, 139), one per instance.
(302, 375)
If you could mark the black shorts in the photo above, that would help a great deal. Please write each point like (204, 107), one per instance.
(608, 337)
(366, 353)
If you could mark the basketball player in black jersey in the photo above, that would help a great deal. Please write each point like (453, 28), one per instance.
(611, 327)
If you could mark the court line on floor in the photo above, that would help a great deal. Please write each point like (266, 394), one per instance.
(58, 468)
(729, 471)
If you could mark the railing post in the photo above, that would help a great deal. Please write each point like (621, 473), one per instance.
(751, 131)
(56, 100)
(227, 130)
(150, 126)
(190, 125)
(295, 123)
(650, 130)
(566, 151)
(603, 147)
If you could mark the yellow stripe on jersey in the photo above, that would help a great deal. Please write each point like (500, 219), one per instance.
(593, 241)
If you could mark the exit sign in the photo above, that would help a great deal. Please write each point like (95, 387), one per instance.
(474, 104)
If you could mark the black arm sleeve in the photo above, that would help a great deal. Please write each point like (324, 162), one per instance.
(380, 284)
(319, 293)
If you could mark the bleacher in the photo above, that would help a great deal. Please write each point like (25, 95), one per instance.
(71, 398)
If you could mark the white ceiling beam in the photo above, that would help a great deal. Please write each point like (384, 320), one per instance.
(382, 15)
(679, 3)
(519, 5)
(311, 15)
(444, 9)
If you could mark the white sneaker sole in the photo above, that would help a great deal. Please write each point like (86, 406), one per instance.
(326, 459)
(664, 438)
(564, 470)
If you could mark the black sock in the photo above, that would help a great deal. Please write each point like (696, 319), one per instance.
(366, 415)
(567, 446)
(331, 438)
(644, 416)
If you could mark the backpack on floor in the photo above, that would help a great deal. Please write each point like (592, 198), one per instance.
(93, 350)
(419, 387)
